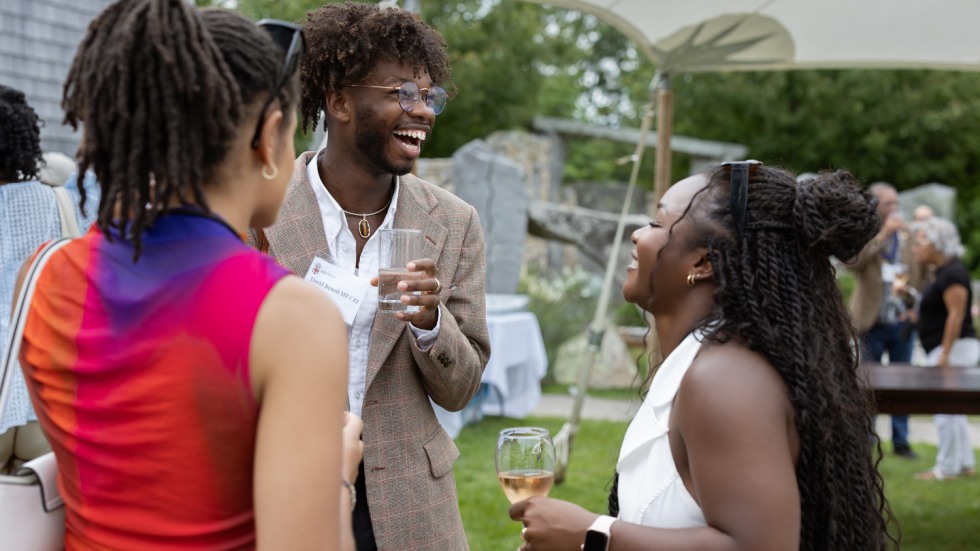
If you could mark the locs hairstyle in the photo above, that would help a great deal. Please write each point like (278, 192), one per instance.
(162, 88)
(346, 41)
(20, 137)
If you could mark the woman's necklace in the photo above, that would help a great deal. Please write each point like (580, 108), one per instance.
(364, 227)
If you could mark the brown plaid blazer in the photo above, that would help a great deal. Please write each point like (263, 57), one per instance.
(408, 457)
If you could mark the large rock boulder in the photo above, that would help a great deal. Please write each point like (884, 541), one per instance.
(614, 366)
(495, 185)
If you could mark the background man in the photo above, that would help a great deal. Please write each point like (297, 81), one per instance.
(880, 315)
(375, 74)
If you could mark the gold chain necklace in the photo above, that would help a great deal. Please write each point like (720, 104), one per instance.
(363, 226)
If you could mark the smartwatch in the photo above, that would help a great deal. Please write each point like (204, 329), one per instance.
(597, 536)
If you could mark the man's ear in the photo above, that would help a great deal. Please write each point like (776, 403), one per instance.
(338, 105)
(270, 137)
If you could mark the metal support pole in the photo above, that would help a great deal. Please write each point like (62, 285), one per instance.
(665, 114)
(563, 440)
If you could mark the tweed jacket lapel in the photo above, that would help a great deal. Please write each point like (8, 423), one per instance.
(416, 210)
(297, 236)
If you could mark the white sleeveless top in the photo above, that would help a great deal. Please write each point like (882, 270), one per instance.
(651, 491)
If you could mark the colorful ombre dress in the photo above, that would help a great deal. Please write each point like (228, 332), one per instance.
(141, 376)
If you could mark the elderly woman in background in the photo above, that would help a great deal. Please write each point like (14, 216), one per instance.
(947, 334)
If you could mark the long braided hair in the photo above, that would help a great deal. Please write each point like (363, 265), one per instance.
(777, 292)
(345, 42)
(20, 137)
(163, 88)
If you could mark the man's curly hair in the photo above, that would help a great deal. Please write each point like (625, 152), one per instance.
(20, 137)
(344, 42)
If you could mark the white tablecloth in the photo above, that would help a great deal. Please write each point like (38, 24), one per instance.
(512, 379)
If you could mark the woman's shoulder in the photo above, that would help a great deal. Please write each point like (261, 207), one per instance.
(25, 190)
(953, 273)
(730, 381)
(732, 358)
(247, 265)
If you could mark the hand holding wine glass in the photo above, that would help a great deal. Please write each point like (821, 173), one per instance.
(525, 459)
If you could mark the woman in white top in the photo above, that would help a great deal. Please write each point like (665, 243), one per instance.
(755, 434)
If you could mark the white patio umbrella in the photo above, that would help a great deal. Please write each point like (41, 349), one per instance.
(683, 36)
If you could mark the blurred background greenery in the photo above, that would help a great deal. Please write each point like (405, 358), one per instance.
(564, 305)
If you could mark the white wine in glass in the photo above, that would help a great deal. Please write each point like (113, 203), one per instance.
(525, 459)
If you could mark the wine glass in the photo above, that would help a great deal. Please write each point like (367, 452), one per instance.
(525, 459)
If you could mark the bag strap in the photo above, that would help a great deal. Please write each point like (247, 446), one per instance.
(19, 317)
(45, 469)
(66, 211)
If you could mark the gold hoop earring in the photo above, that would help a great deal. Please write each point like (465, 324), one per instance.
(691, 279)
(268, 176)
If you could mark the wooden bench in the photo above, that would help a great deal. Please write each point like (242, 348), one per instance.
(904, 388)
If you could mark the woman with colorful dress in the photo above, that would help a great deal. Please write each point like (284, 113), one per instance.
(193, 391)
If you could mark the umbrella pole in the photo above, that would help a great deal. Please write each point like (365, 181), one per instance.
(563, 440)
(665, 117)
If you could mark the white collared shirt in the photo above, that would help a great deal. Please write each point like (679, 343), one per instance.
(651, 491)
(343, 253)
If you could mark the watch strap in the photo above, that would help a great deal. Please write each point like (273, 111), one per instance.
(603, 525)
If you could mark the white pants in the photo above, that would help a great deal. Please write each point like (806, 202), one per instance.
(955, 453)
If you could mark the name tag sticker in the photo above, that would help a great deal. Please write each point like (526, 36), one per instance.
(890, 271)
(346, 290)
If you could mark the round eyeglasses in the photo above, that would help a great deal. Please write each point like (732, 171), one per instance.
(409, 94)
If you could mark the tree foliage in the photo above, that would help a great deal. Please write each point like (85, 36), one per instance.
(904, 127)
(494, 51)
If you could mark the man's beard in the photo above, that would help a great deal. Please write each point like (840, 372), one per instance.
(372, 139)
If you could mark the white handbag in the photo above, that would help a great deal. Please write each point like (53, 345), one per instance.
(32, 513)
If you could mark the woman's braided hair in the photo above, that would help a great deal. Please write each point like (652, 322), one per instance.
(777, 292)
(345, 42)
(163, 89)
(20, 137)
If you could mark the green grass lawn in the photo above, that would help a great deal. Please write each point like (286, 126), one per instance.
(934, 516)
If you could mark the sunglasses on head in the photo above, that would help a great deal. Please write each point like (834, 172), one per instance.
(738, 179)
(409, 95)
(289, 37)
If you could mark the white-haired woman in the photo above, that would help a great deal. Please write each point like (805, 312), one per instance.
(947, 334)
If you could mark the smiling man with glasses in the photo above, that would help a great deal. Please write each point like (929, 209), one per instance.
(380, 77)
